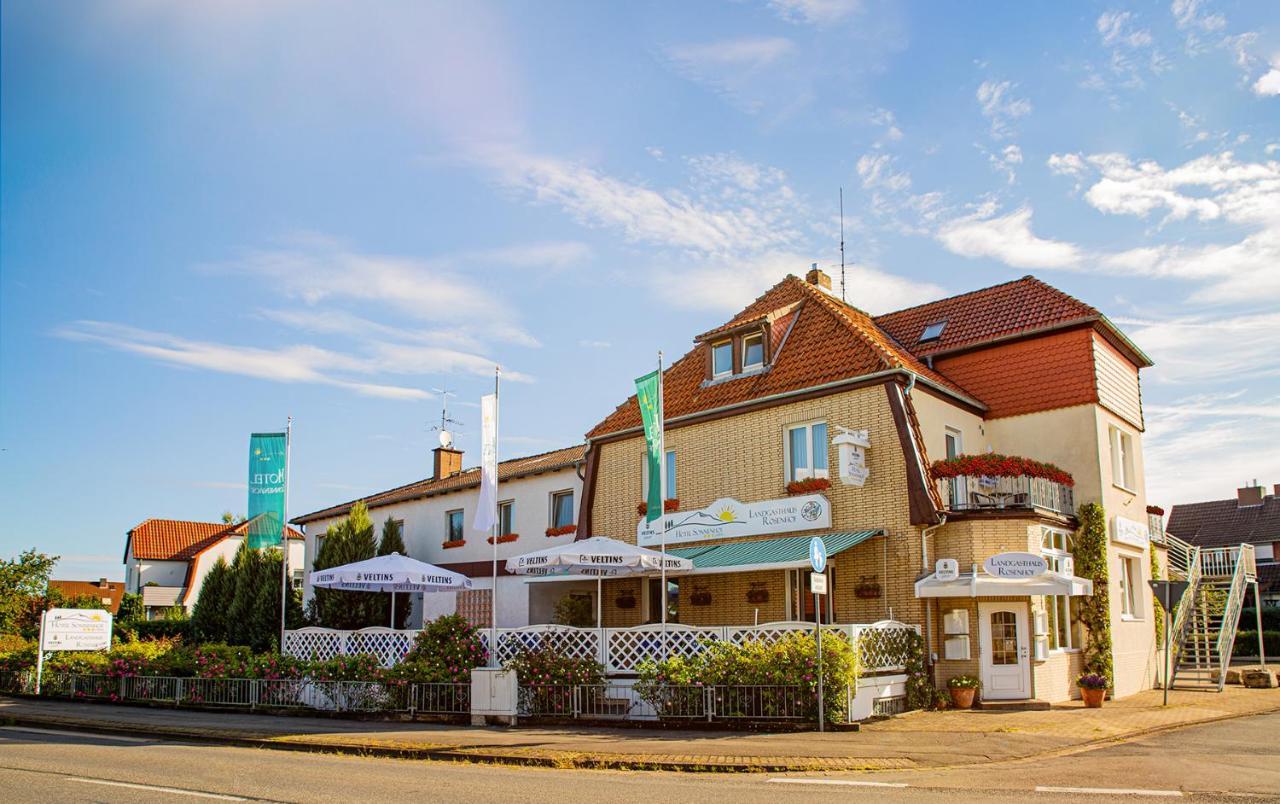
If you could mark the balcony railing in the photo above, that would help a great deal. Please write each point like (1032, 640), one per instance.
(982, 493)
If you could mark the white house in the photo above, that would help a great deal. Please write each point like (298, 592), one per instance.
(168, 559)
(539, 502)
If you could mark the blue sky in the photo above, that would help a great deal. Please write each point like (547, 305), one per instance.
(215, 215)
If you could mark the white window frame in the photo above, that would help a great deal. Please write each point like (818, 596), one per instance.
(448, 526)
(670, 471)
(1130, 586)
(809, 471)
(551, 512)
(1055, 547)
(510, 506)
(727, 372)
(755, 336)
(1122, 465)
(957, 486)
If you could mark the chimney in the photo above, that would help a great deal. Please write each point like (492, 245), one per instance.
(447, 462)
(817, 276)
(102, 584)
(1275, 490)
(1249, 495)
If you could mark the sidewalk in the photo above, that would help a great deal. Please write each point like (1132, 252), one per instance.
(915, 740)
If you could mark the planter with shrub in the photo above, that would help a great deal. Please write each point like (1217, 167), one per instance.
(1093, 689)
(962, 690)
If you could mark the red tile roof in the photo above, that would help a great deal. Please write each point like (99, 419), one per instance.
(823, 340)
(467, 478)
(72, 589)
(180, 539)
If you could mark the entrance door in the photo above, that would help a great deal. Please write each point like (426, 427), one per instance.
(1006, 661)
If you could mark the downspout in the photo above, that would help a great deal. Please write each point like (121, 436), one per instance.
(925, 533)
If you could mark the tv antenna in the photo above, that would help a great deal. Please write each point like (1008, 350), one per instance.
(447, 425)
(842, 298)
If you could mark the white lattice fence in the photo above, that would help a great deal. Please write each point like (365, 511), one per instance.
(770, 633)
(630, 646)
(318, 644)
(389, 645)
(885, 646)
(565, 640)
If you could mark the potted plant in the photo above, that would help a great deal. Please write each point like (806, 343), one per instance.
(1093, 689)
(962, 689)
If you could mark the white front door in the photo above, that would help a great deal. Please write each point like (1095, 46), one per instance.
(1003, 640)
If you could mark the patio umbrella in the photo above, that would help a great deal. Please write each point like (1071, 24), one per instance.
(598, 557)
(390, 573)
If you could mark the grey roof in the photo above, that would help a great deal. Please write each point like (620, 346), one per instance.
(1223, 522)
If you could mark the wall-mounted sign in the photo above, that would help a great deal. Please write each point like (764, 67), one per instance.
(1015, 565)
(1127, 531)
(851, 453)
(76, 629)
(946, 569)
(726, 518)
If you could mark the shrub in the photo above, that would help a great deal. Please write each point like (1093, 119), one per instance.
(1270, 618)
(446, 651)
(359, 667)
(1246, 644)
(1091, 681)
(160, 629)
(575, 610)
(963, 683)
(546, 666)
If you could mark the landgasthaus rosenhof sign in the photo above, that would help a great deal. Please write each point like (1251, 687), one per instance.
(1015, 565)
(726, 518)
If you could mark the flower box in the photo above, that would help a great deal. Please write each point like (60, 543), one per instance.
(505, 538)
(995, 465)
(626, 600)
(669, 506)
(563, 530)
(868, 588)
(452, 543)
(811, 485)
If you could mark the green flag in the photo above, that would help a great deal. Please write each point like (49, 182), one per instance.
(267, 468)
(650, 401)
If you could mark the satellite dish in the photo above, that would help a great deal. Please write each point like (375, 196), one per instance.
(446, 439)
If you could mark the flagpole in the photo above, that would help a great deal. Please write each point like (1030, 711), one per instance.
(284, 534)
(662, 502)
(493, 528)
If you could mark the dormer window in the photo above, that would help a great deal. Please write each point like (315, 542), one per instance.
(722, 359)
(932, 332)
(753, 352)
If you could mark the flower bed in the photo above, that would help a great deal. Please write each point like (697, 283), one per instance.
(996, 465)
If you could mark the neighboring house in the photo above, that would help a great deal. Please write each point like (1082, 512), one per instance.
(167, 559)
(1253, 517)
(108, 593)
(539, 498)
(763, 401)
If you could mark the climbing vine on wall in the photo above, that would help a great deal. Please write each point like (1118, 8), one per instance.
(919, 686)
(1095, 611)
(1159, 610)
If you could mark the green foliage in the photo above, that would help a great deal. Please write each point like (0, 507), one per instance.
(162, 629)
(360, 667)
(921, 694)
(1158, 619)
(209, 616)
(964, 682)
(1246, 644)
(790, 661)
(24, 582)
(393, 542)
(546, 666)
(1090, 551)
(348, 541)
(575, 610)
(446, 650)
(130, 608)
(239, 604)
(1270, 618)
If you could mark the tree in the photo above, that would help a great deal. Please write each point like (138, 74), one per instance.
(24, 582)
(393, 542)
(131, 607)
(209, 617)
(348, 541)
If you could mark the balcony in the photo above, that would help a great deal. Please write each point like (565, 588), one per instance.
(985, 483)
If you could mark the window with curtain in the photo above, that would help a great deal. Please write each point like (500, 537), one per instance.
(453, 525)
(561, 509)
(506, 517)
(806, 451)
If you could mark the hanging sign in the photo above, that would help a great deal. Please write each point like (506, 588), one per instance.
(851, 453)
(726, 518)
(1130, 532)
(946, 569)
(76, 629)
(1015, 565)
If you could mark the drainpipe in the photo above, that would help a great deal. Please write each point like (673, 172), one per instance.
(911, 383)
(925, 533)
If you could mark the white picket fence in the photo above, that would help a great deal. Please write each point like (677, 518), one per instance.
(883, 646)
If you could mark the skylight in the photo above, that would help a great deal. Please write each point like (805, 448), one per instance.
(932, 331)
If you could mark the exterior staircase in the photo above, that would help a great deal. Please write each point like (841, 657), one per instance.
(1204, 625)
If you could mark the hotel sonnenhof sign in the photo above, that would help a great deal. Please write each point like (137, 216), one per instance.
(76, 629)
(727, 518)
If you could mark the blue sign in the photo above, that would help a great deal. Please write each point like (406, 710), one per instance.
(817, 554)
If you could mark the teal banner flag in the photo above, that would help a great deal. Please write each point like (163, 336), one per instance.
(651, 414)
(268, 465)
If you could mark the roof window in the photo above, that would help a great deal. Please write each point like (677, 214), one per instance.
(932, 332)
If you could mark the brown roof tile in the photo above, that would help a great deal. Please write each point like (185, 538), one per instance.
(1219, 523)
(72, 589)
(180, 539)
(467, 478)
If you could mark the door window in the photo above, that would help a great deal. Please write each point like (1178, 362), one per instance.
(1004, 638)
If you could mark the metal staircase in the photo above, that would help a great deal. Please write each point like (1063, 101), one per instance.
(1204, 626)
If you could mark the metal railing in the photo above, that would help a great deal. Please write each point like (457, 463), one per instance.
(1244, 569)
(1221, 562)
(1182, 617)
(987, 493)
(677, 702)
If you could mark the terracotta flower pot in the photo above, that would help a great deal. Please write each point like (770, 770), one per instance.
(1093, 697)
(962, 697)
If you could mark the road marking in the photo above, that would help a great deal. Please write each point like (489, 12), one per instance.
(842, 782)
(1110, 791)
(177, 791)
(81, 734)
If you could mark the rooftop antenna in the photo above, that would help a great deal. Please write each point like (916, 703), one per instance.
(444, 428)
(842, 298)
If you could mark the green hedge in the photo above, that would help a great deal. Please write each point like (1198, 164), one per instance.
(1246, 644)
(1270, 618)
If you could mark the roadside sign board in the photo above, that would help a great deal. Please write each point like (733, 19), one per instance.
(1168, 593)
(817, 554)
(818, 583)
(76, 629)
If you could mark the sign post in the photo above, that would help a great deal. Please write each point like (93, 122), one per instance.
(818, 583)
(1168, 593)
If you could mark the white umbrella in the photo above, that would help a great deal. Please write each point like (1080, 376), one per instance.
(598, 557)
(390, 573)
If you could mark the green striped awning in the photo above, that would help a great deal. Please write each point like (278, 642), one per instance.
(783, 553)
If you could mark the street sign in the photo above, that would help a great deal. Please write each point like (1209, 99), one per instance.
(818, 583)
(76, 629)
(817, 554)
(1168, 592)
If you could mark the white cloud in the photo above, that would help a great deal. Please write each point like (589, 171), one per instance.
(742, 70)
(1199, 348)
(886, 119)
(1115, 28)
(815, 12)
(750, 52)
(1269, 82)
(1067, 164)
(1006, 161)
(590, 344)
(1007, 238)
(1188, 14)
(876, 170)
(998, 104)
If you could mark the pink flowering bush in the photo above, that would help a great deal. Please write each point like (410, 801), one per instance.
(540, 666)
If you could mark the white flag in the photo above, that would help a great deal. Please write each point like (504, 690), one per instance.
(487, 507)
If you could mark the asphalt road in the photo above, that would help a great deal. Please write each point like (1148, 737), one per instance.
(1237, 760)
